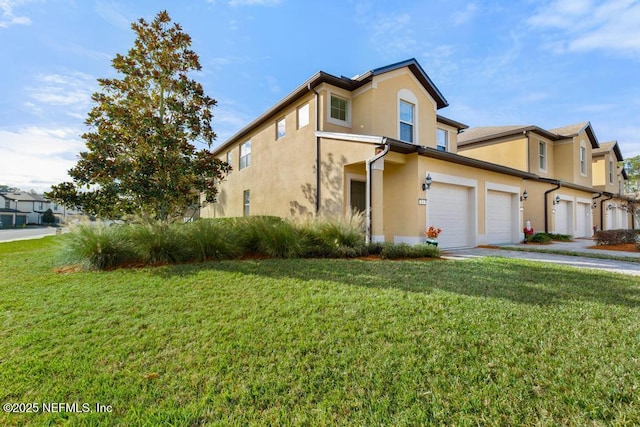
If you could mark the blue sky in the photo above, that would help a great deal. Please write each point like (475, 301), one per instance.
(548, 63)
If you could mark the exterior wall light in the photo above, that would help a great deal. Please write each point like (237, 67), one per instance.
(524, 196)
(595, 205)
(427, 182)
(556, 200)
(609, 206)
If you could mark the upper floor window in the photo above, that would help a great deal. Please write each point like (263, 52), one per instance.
(7, 204)
(610, 171)
(339, 110)
(583, 158)
(230, 159)
(620, 187)
(406, 121)
(245, 155)
(303, 116)
(542, 155)
(442, 139)
(280, 128)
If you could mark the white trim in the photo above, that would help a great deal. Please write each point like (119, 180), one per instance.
(580, 160)
(344, 96)
(452, 179)
(376, 238)
(408, 97)
(352, 137)
(546, 155)
(411, 240)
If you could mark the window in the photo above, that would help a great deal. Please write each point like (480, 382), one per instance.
(610, 171)
(583, 158)
(339, 108)
(230, 159)
(280, 128)
(7, 204)
(245, 155)
(542, 155)
(406, 121)
(303, 116)
(442, 139)
(246, 198)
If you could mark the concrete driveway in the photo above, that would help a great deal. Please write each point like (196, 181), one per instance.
(579, 245)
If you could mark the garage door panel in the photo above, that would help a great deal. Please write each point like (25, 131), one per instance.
(450, 210)
(499, 217)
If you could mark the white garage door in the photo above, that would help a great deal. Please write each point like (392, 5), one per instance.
(499, 217)
(583, 220)
(562, 218)
(450, 209)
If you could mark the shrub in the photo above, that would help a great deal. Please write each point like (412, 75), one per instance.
(158, 242)
(334, 237)
(272, 237)
(404, 250)
(560, 237)
(615, 237)
(212, 239)
(98, 247)
(540, 238)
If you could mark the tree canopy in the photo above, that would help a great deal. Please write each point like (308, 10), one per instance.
(141, 159)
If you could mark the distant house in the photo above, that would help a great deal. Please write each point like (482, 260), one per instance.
(616, 210)
(24, 208)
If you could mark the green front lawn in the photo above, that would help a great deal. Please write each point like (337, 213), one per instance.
(318, 342)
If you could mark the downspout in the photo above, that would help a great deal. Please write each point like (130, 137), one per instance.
(318, 162)
(602, 211)
(546, 206)
(370, 161)
(594, 198)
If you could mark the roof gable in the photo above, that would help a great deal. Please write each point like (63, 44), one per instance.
(574, 130)
(607, 147)
(346, 83)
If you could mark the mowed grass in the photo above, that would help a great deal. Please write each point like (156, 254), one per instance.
(319, 342)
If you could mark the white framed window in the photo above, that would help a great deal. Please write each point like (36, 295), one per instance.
(230, 159)
(339, 110)
(246, 202)
(442, 139)
(407, 117)
(7, 204)
(610, 171)
(583, 158)
(245, 155)
(280, 128)
(542, 155)
(303, 116)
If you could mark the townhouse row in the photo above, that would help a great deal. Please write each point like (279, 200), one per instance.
(376, 143)
(21, 208)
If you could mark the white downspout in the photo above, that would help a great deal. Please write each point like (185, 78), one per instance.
(370, 161)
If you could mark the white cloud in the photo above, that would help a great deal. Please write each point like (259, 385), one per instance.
(8, 17)
(464, 16)
(71, 91)
(584, 25)
(36, 158)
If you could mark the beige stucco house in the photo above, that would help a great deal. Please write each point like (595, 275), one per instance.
(377, 143)
(575, 182)
(615, 210)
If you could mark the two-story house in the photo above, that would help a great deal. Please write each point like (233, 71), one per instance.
(10, 216)
(615, 210)
(377, 143)
(562, 199)
(33, 205)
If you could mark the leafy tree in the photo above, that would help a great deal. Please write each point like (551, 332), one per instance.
(632, 166)
(48, 217)
(141, 159)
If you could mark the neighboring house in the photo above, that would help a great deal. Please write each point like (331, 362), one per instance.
(33, 204)
(63, 214)
(10, 216)
(377, 143)
(616, 209)
(562, 200)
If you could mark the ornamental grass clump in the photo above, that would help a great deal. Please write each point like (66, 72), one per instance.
(98, 247)
(159, 243)
(212, 239)
(334, 237)
(272, 237)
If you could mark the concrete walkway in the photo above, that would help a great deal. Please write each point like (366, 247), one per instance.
(579, 245)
